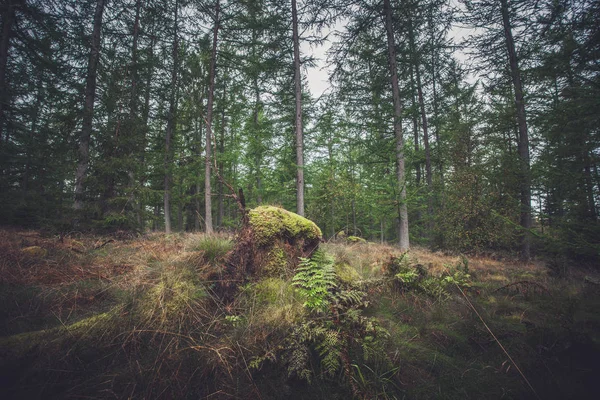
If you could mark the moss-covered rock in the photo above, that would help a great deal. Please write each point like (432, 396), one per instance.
(271, 243)
(355, 239)
(270, 223)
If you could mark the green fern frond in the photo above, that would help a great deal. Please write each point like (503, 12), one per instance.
(315, 278)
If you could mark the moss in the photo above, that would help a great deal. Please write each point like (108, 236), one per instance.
(278, 302)
(346, 273)
(269, 223)
(355, 239)
(272, 243)
(270, 290)
(85, 325)
(23, 343)
(35, 252)
(276, 261)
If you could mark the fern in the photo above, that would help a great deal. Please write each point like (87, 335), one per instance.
(315, 278)
(339, 328)
(330, 349)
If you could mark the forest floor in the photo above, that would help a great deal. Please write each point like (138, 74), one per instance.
(85, 316)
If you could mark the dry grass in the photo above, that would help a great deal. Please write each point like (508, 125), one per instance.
(139, 316)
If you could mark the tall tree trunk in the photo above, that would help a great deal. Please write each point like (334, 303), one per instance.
(209, 114)
(415, 123)
(424, 122)
(523, 142)
(258, 158)
(8, 19)
(132, 125)
(589, 185)
(416, 63)
(145, 120)
(438, 155)
(88, 107)
(402, 209)
(171, 122)
(133, 101)
(221, 148)
(299, 135)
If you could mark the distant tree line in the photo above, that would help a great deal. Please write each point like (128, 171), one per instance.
(131, 114)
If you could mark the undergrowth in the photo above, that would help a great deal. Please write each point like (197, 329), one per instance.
(88, 317)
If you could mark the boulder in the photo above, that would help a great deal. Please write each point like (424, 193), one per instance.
(271, 242)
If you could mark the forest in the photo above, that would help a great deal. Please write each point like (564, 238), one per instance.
(181, 217)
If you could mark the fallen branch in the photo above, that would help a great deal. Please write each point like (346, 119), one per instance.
(104, 244)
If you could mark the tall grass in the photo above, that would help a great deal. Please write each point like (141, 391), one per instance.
(138, 319)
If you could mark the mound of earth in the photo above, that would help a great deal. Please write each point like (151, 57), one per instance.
(270, 244)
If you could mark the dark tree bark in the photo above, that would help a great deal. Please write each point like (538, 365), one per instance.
(209, 115)
(171, 122)
(299, 135)
(400, 172)
(88, 107)
(523, 142)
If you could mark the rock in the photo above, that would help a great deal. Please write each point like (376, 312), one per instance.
(34, 252)
(355, 239)
(271, 243)
(270, 223)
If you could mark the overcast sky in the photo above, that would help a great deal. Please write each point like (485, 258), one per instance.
(318, 76)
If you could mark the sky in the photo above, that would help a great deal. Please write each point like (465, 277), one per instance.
(318, 76)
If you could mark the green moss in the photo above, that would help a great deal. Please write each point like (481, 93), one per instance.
(346, 273)
(18, 345)
(276, 261)
(35, 252)
(278, 303)
(355, 239)
(271, 290)
(87, 324)
(270, 223)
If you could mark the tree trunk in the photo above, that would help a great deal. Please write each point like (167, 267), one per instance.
(171, 122)
(209, 113)
(402, 209)
(145, 120)
(424, 122)
(299, 136)
(415, 122)
(258, 158)
(416, 62)
(134, 61)
(88, 107)
(8, 19)
(523, 142)
(221, 147)
(438, 155)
